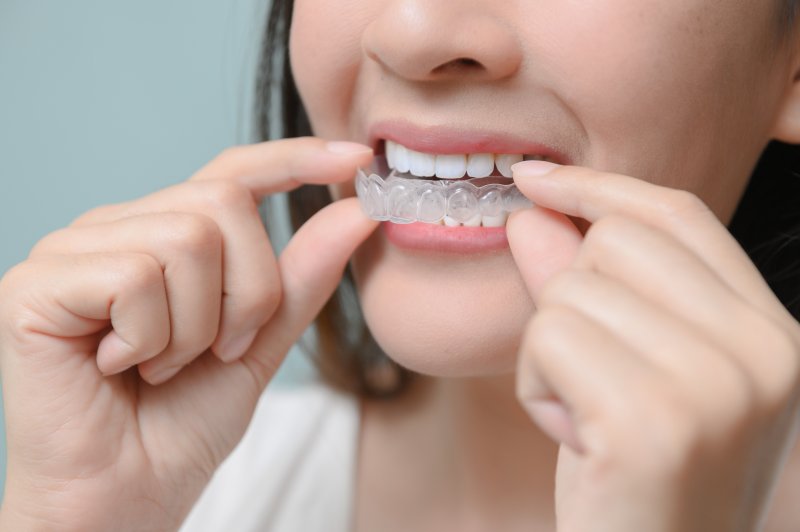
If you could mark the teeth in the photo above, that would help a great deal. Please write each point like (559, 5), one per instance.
(480, 164)
(401, 158)
(505, 161)
(421, 164)
(391, 154)
(450, 222)
(477, 221)
(451, 166)
(403, 200)
(495, 221)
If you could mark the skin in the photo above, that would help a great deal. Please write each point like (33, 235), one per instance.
(132, 269)
(605, 110)
(98, 327)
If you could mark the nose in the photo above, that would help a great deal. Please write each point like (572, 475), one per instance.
(424, 40)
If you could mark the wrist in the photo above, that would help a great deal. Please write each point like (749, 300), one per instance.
(14, 517)
(35, 511)
(31, 513)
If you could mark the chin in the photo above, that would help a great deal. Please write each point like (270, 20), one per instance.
(443, 315)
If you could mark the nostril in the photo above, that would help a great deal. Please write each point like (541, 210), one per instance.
(466, 61)
(457, 64)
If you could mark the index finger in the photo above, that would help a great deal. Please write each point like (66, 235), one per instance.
(281, 165)
(310, 267)
(592, 195)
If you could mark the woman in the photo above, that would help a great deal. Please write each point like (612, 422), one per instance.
(618, 333)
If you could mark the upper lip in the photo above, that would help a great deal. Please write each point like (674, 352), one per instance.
(454, 139)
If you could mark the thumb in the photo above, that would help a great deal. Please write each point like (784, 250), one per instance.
(543, 242)
(310, 267)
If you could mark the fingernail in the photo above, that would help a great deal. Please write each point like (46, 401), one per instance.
(236, 347)
(341, 146)
(533, 168)
(164, 374)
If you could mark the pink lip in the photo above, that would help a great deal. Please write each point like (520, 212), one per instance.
(441, 239)
(445, 139)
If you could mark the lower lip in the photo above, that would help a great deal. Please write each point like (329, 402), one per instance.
(440, 238)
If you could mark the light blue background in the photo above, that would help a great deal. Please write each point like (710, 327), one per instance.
(104, 101)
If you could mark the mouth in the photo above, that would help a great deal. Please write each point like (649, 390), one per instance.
(445, 175)
(470, 189)
(445, 188)
(411, 163)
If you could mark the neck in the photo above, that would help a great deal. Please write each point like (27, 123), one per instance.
(466, 444)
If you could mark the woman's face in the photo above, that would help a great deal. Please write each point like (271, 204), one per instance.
(682, 93)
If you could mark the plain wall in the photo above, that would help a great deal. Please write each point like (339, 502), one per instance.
(102, 102)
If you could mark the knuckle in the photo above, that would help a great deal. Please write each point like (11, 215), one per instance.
(260, 303)
(195, 233)
(14, 276)
(561, 284)
(731, 399)
(19, 322)
(11, 287)
(223, 195)
(779, 368)
(231, 156)
(545, 331)
(605, 232)
(20, 308)
(140, 271)
(101, 212)
(679, 204)
(231, 161)
(48, 244)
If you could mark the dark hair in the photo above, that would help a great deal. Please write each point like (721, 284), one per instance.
(788, 12)
(766, 223)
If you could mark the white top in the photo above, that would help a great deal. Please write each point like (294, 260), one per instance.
(294, 469)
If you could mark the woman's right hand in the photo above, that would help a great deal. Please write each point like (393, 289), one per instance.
(183, 288)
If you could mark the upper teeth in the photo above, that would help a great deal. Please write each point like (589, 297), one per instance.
(450, 166)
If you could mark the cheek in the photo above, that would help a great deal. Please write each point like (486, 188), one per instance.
(443, 317)
(669, 91)
(325, 57)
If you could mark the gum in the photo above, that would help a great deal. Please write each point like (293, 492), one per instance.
(405, 200)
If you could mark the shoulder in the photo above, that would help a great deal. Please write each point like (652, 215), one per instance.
(299, 448)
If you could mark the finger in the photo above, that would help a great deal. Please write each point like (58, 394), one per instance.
(567, 357)
(669, 276)
(84, 291)
(592, 195)
(655, 265)
(251, 287)
(266, 168)
(698, 362)
(282, 165)
(188, 248)
(311, 267)
(542, 243)
(228, 189)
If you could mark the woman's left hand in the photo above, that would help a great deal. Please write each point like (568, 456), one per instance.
(658, 357)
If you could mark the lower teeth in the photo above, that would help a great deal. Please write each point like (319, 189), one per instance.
(453, 203)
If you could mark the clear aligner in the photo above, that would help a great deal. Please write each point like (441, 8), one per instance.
(405, 200)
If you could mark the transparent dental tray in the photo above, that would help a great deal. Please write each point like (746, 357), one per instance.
(402, 199)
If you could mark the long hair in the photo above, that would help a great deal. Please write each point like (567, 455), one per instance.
(766, 224)
(344, 351)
